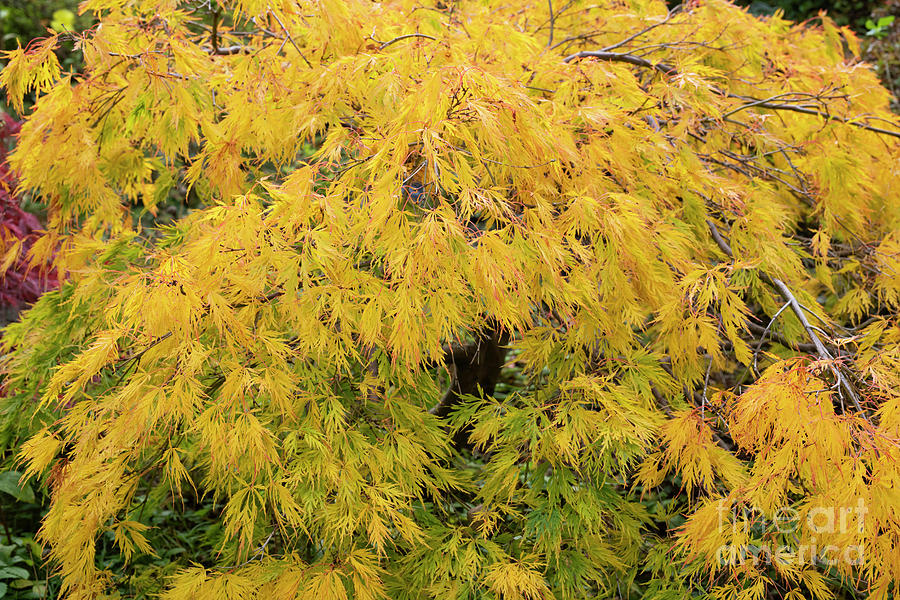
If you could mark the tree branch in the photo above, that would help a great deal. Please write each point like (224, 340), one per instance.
(404, 37)
(293, 43)
(753, 102)
(552, 22)
(822, 351)
(626, 58)
(808, 111)
(214, 33)
(230, 50)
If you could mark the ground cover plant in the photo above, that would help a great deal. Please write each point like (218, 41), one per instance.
(474, 300)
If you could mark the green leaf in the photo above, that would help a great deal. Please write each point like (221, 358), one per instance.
(14, 573)
(9, 483)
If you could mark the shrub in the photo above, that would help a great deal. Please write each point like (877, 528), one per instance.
(519, 300)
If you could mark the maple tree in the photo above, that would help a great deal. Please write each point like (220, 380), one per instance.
(482, 300)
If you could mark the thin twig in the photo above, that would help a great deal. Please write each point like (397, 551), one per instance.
(811, 111)
(669, 16)
(753, 102)
(371, 369)
(552, 22)
(256, 555)
(404, 37)
(762, 338)
(138, 356)
(291, 40)
(705, 388)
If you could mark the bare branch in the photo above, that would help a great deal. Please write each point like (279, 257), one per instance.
(797, 309)
(720, 241)
(626, 58)
(291, 40)
(214, 33)
(778, 338)
(404, 37)
(552, 22)
(752, 102)
(823, 351)
(765, 332)
(809, 111)
(259, 552)
(231, 50)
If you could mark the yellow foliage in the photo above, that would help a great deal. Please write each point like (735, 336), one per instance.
(469, 300)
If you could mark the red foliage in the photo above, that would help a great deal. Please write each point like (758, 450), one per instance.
(21, 283)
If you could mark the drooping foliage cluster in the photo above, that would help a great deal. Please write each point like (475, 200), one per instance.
(20, 281)
(24, 20)
(485, 300)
